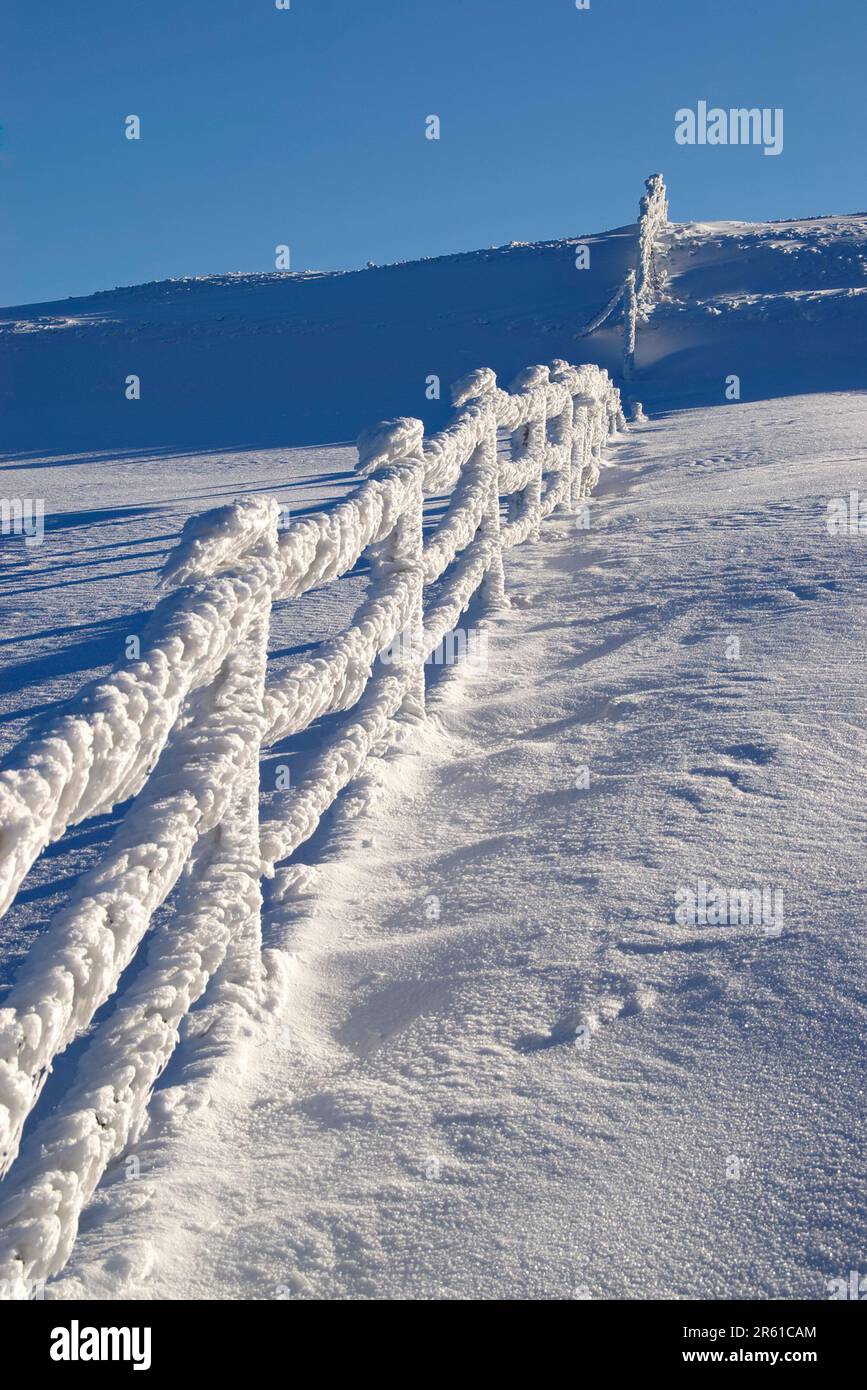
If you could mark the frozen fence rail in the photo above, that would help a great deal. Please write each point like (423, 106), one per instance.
(181, 730)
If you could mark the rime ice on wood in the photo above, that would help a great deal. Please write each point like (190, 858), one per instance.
(182, 727)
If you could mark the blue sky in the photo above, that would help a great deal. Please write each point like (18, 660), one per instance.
(306, 127)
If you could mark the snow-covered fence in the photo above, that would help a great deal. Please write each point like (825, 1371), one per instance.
(635, 296)
(181, 730)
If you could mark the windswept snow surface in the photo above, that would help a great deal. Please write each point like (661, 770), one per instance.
(427, 1117)
(492, 1063)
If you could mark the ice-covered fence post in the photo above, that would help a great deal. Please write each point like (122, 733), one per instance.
(594, 453)
(653, 216)
(478, 390)
(232, 856)
(232, 876)
(598, 430)
(585, 413)
(400, 442)
(562, 430)
(221, 897)
(610, 408)
(406, 555)
(528, 443)
(580, 431)
(630, 321)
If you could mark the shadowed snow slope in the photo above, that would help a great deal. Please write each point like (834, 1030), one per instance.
(503, 1069)
(255, 361)
(264, 360)
(782, 305)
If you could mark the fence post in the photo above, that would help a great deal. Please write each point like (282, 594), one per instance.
(594, 451)
(401, 551)
(584, 416)
(630, 321)
(493, 584)
(580, 430)
(409, 543)
(653, 216)
(562, 428)
(529, 443)
(476, 395)
(239, 862)
(227, 875)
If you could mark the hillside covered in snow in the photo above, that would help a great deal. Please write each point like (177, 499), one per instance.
(522, 1041)
(264, 361)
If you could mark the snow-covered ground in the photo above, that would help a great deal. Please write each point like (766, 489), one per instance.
(501, 1066)
(503, 1069)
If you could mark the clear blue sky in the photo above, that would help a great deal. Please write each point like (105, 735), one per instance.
(306, 127)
